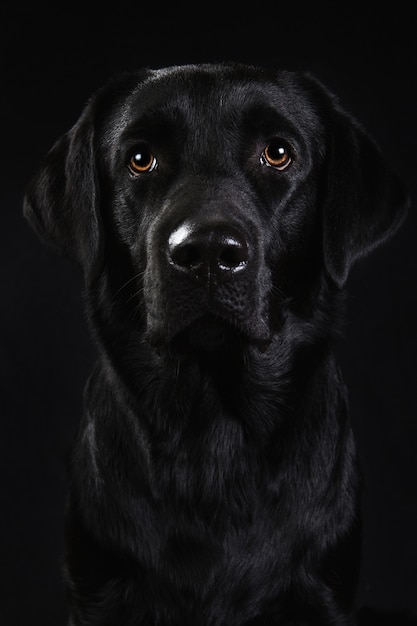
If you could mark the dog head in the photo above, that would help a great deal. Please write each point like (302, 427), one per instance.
(210, 196)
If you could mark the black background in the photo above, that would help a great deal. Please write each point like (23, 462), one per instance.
(52, 60)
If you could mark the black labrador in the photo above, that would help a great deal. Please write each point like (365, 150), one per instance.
(215, 211)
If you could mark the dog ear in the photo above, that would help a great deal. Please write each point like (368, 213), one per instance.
(365, 202)
(61, 202)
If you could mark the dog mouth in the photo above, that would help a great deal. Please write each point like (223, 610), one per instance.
(195, 319)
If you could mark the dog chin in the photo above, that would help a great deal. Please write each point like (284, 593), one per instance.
(211, 334)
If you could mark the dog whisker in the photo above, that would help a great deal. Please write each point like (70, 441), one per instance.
(136, 278)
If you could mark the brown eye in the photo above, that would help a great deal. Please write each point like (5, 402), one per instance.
(141, 161)
(277, 154)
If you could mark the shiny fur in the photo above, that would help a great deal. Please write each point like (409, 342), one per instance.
(214, 480)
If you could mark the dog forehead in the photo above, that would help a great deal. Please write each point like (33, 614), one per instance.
(199, 85)
(211, 92)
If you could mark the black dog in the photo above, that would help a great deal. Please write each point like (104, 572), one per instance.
(215, 212)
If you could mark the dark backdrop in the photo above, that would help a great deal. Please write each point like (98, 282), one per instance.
(52, 60)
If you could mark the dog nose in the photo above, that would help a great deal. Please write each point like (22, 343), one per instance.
(213, 250)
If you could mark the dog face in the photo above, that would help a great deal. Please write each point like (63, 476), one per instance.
(216, 197)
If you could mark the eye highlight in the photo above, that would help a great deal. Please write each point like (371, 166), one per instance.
(277, 154)
(142, 160)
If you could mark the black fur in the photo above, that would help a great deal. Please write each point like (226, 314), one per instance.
(214, 480)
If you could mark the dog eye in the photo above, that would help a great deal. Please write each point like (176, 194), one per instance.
(277, 154)
(141, 161)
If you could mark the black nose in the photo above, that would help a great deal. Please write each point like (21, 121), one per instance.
(212, 250)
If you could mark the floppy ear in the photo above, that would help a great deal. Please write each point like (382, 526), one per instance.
(365, 202)
(61, 203)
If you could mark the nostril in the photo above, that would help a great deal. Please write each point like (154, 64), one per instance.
(232, 253)
(187, 256)
(183, 252)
